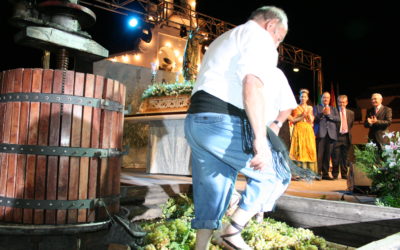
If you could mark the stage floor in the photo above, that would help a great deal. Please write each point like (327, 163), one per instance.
(324, 189)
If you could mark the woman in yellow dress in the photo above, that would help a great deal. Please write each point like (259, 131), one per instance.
(303, 148)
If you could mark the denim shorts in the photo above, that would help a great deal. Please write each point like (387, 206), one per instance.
(217, 158)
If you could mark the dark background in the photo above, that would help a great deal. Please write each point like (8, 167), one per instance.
(357, 41)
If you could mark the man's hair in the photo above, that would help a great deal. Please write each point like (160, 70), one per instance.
(269, 13)
(379, 95)
(342, 97)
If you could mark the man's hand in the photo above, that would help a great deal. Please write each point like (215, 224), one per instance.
(326, 110)
(262, 154)
(274, 128)
(372, 119)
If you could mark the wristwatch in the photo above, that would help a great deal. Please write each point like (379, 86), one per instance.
(278, 123)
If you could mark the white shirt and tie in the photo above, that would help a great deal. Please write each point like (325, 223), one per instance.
(377, 109)
(343, 122)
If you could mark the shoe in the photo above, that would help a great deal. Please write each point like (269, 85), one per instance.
(229, 245)
(335, 178)
(317, 178)
(327, 178)
(344, 177)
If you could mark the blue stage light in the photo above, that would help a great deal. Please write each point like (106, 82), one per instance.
(133, 22)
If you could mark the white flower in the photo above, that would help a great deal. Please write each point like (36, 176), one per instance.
(371, 144)
(389, 134)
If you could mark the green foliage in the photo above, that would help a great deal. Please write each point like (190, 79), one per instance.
(170, 89)
(173, 231)
(180, 206)
(383, 170)
(169, 234)
(272, 234)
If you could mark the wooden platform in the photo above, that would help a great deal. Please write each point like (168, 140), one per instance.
(329, 190)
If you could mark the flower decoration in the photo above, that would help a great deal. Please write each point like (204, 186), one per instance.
(169, 89)
(382, 168)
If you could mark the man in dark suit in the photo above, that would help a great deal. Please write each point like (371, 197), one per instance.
(343, 143)
(325, 130)
(378, 119)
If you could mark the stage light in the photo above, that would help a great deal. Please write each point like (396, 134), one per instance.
(146, 34)
(296, 69)
(183, 31)
(133, 22)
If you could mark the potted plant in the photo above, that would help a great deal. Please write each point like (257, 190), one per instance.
(383, 169)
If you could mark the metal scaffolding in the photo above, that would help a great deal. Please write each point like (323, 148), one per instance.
(160, 12)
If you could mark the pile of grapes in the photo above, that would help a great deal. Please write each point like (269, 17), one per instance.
(173, 231)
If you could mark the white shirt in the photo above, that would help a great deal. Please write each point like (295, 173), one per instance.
(246, 49)
(278, 95)
(378, 108)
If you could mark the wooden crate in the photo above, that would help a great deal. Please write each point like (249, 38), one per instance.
(351, 224)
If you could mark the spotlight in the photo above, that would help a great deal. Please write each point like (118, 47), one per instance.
(133, 22)
(296, 69)
(146, 34)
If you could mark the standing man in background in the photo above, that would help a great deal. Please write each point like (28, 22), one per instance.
(326, 118)
(378, 119)
(343, 143)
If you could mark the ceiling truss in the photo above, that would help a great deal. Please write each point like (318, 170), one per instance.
(160, 11)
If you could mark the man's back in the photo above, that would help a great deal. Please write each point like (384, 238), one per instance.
(246, 49)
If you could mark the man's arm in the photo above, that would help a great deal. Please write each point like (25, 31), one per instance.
(351, 116)
(254, 105)
(282, 116)
(317, 115)
(334, 115)
(366, 122)
(386, 121)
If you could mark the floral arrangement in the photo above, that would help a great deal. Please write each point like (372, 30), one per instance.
(168, 89)
(383, 170)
